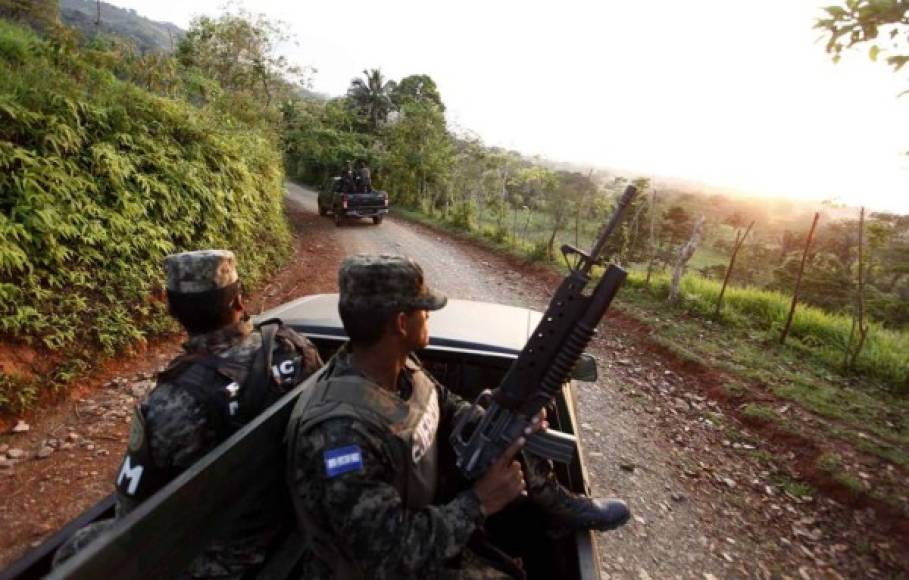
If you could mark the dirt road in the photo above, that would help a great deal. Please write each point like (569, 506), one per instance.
(704, 507)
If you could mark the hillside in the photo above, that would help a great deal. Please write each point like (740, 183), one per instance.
(101, 179)
(147, 35)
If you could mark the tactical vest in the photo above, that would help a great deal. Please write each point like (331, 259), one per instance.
(411, 425)
(231, 394)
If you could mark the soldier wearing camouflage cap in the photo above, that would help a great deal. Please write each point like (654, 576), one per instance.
(200, 271)
(363, 440)
(390, 282)
(216, 386)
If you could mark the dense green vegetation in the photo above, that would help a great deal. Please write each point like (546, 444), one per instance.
(100, 178)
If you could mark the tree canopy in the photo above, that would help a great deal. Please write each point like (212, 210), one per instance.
(239, 51)
(884, 24)
(371, 97)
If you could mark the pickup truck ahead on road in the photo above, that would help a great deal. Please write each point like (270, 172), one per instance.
(472, 345)
(346, 204)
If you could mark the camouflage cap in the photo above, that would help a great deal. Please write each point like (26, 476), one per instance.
(200, 271)
(396, 282)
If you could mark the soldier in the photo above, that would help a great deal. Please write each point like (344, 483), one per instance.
(228, 373)
(348, 179)
(363, 449)
(363, 177)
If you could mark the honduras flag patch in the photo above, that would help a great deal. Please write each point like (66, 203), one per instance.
(343, 460)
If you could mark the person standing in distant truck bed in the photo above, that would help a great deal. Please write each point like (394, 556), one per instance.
(228, 373)
(348, 179)
(363, 177)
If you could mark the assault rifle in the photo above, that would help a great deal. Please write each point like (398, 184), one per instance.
(546, 361)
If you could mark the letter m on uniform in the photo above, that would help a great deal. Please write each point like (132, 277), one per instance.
(130, 473)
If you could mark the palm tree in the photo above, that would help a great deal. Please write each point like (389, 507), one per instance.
(372, 96)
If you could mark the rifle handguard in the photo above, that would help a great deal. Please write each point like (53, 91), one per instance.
(482, 435)
(554, 445)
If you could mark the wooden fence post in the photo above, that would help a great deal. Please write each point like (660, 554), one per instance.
(684, 255)
(798, 280)
(735, 251)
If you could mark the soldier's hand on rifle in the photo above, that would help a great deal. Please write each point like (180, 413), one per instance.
(538, 423)
(502, 482)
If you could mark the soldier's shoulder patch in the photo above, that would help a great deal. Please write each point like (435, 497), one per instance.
(343, 460)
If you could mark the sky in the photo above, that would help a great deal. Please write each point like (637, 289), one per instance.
(730, 93)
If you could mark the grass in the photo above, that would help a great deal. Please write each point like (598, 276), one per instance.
(832, 465)
(819, 334)
(706, 257)
(795, 488)
(761, 413)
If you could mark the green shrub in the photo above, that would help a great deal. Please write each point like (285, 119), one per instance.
(464, 216)
(99, 180)
(539, 252)
(16, 393)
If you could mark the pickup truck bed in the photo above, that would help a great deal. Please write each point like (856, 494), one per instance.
(471, 347)
(343, 205)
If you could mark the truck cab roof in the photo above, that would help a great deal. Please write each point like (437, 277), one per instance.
(462, 326)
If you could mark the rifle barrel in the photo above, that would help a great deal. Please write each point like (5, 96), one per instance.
(623, 204)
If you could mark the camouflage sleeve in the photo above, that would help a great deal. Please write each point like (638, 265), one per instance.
(179, 434)
(451, 406)
(363, 513)
(178, 428)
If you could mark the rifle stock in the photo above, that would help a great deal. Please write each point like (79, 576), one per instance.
(544, 364)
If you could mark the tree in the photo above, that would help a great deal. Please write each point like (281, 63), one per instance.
(571, 189)
(416, 89)
(319, 137)
(631, 241)
(862, 21)
(420, 153)
(685, 253)
(859, 325)
(676, 225)
(239, 51)
(371, 97)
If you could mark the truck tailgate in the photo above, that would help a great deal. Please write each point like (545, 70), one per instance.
(373, 199)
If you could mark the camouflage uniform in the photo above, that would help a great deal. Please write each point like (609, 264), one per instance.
(362, 493)
(348, 179)
(364, 179)
(180, 429)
